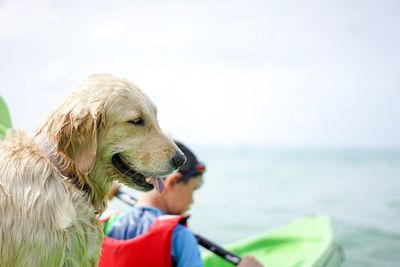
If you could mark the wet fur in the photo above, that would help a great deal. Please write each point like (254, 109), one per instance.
(51, 186)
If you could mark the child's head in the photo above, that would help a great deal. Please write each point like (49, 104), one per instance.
(192, 167)
(180, 186)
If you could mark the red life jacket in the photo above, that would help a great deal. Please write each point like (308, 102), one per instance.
(152, 248)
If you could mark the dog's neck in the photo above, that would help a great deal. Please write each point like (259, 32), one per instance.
(49, 149)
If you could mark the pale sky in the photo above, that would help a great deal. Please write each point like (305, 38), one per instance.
(284, 73)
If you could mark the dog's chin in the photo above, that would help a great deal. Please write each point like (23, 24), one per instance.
(137, 180)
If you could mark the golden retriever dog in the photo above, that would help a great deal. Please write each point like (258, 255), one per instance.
(54, 185)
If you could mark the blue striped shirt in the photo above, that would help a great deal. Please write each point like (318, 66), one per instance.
(185, 251)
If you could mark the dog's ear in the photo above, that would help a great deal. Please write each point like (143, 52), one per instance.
(77, 138)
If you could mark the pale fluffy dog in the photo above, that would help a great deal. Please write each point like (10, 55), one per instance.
(52, 186)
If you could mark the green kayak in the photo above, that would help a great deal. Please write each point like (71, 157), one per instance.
(307, 242)
(5, 120)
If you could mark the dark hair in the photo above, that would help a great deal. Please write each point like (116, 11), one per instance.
(192, 166)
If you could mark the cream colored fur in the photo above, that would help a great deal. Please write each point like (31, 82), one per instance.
(52, 185)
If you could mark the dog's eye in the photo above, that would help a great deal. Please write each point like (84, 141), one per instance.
(138, 121)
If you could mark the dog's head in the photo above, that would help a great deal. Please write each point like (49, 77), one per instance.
(108, 130)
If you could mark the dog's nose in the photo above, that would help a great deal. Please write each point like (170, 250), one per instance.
(178, 160)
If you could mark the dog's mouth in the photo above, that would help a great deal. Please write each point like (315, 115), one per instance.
(145, 184)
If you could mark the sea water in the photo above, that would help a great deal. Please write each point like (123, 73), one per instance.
(249, 190)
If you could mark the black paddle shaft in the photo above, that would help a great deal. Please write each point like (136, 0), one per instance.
(207, 244)
(226, 255)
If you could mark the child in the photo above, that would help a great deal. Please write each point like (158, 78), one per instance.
(173, 240)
